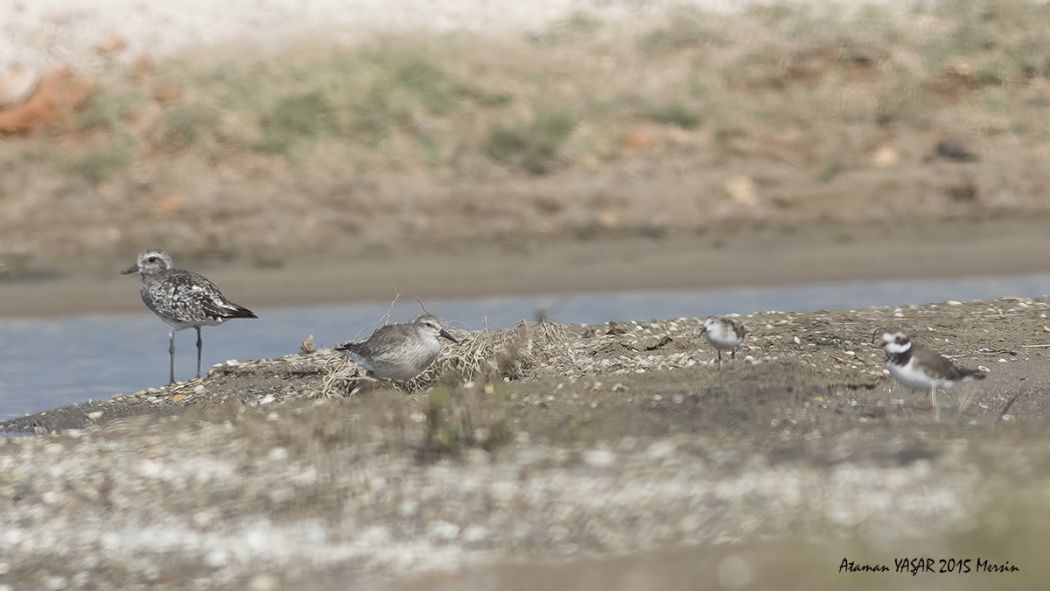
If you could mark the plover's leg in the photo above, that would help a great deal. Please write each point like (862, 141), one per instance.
(732, 354)
(719, 351)
(200, 344)
(171, 355)
(933, 400)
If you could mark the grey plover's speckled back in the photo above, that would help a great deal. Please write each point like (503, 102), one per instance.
(182, 299)
(400, 351)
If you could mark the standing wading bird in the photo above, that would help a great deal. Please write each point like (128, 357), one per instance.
(724, 334)
(182, 299)
(400, 351)
(919, 367)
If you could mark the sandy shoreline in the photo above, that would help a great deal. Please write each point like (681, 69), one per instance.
(712, 260)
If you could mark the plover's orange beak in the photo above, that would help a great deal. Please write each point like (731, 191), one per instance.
(130, 270)
(448, 336)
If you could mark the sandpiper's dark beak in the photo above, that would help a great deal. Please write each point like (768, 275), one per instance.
(130, 270)
(445, 334)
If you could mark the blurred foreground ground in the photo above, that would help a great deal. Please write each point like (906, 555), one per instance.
(612, 457)
(579, 127)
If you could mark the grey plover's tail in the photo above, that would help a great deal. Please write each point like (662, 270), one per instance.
(242, 312)
(972, 374)
(224, 310)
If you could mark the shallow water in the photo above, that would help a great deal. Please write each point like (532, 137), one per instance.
(54, 362)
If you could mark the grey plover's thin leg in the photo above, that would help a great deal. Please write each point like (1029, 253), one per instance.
(171, 354)
(200, 344)
(719, 358)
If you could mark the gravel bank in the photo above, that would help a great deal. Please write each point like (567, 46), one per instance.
(625, 439)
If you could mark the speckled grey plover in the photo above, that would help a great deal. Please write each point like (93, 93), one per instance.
(919, 367)
(182, 299)
(724, 334)
(400, 351)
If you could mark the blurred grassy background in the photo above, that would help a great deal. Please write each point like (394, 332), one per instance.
(575, 94)
(675, 123)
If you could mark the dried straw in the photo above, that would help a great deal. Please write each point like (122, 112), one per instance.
(488, 354)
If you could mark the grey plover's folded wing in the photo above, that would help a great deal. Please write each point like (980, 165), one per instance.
(204, 297)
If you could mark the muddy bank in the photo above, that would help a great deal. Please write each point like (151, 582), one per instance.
(720, 258)
(600, 440)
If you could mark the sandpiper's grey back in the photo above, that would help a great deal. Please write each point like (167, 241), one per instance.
(400, 351)
(182, 299)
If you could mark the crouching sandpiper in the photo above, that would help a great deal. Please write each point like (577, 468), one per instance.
(400, 351)
(724, 334)
(182, 299)
(919, 367)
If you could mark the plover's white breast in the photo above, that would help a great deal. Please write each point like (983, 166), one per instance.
(912, 375)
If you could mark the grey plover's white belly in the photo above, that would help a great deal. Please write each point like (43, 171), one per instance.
(179, 325)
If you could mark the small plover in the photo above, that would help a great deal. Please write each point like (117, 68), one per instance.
(400, 351)
(919, 367)
(182, 299)
(724, 334)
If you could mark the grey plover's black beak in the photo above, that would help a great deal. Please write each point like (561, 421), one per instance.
(130, 270)
(445, 334)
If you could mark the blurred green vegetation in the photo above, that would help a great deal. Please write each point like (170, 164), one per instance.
(532, 146)
(459, 417)
(99, 161)
(479, 105)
